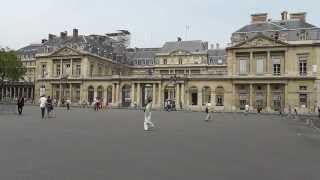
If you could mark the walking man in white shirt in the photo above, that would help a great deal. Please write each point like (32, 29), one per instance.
(147, 116)
(42, 102)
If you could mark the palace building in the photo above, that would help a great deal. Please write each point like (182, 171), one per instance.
(269, 63)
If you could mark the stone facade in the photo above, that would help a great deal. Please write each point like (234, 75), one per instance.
(258, 69)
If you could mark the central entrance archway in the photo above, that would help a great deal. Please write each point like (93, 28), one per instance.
(126, 96)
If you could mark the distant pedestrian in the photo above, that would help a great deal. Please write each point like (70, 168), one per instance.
(20, 104)
(289, 111)
(147, 116)
(49, 106)
(42, 102)
(208, 112)
(259, 108)
(319, 111)
(68, 102)
(246, 109)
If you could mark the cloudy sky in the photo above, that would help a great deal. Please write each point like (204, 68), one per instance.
(151, 22)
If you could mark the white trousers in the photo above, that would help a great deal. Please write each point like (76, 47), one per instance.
(147, 122)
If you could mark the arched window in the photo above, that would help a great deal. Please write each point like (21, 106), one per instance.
(100, 92)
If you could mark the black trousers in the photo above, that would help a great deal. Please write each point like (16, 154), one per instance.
(43, 110)
(20, 108)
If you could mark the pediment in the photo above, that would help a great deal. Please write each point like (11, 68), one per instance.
(66, 51)
(260, 42)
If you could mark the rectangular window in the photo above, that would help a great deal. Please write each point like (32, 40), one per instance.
(43, 70)
(100, 70)
(303, 65)
(165, 61)
(276, 65)
(303, 99)
(259, 63)
(78, 69)
(243, 65)
(91, 69)
(219, 100)
(180, 61)
(58, 70)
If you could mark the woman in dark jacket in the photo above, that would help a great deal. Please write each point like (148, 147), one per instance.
(20, 104)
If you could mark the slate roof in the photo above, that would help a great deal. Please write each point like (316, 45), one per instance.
(275, 25)
(190, 46)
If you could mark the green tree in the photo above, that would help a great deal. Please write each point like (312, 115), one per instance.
(10, 66)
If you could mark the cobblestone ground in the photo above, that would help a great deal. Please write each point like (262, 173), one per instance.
(86, 145)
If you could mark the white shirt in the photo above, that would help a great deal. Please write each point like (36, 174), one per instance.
(42, 102)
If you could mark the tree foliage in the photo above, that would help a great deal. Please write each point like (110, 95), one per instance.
(11, 67)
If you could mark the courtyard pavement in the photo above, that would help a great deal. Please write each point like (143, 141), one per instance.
(85, 145)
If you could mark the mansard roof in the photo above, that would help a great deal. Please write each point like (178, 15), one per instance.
(190, 46)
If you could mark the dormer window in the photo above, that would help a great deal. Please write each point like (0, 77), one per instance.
(303, 35)
(180, 60)
(165, 61)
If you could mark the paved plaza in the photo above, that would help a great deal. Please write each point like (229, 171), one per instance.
(85, 145)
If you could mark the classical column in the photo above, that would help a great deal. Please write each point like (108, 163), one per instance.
(153, 94)
(60, 92)
(200, 97)
(132, 95)
(14, 92)
(251, 63)
(233, 106)
(71, 67)
(285, 105)
(117, 94)
(138, 94)
(61, 68)
(113, 93)
(178, 95)
(213, 97)
(2, 92)
(268, 98)
(182, 94)
(268, 70)
(31, 94)
(159, 95)
(251, 96)
(70, 92)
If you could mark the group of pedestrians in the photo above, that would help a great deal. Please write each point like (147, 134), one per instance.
(45, 104)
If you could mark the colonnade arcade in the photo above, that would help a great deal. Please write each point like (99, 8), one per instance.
(10, 91)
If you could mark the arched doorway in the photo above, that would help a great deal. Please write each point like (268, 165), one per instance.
(170, 94)
(90, 94)
(126, 95)
(193, 96)
(146, 92)
(219, 96)
(206, 95)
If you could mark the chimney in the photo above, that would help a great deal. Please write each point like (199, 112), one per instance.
(51, 37)
(217, 46)
(43, 41)
(259, 18)
(211, 46)
(298, 16)
(63, 35)
(179, 39)
(75, 34)
(284, 16)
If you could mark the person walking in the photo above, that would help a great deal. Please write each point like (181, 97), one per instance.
(68, 104)
(20, 104)
(318, 111)
(208, 112)
(246, 109)
(147, 116)
(49, 106)
(42, 102)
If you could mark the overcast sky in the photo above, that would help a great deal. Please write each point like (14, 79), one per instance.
(151, 22)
